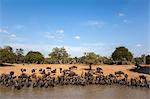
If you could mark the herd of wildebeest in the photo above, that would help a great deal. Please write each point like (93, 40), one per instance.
(47, 78)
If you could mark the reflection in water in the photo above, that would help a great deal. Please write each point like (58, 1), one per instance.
(76, 92)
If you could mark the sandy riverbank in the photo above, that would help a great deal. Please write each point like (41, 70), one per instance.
(107, 69)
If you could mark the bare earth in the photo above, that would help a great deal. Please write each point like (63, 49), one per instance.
(107, 69)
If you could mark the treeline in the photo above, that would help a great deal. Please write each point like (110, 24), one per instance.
(121, 55)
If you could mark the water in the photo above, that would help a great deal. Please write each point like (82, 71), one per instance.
(77, 92)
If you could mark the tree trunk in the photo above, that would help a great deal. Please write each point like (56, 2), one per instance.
(90, 67)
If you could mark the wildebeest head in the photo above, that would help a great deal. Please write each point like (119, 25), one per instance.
(11, 73)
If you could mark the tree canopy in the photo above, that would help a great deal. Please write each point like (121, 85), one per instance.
(34, 57)
(19, 55)
(7, 55)
(59, 55)
(148, 59)
(140, 60)
(122, 53)
(91, 58)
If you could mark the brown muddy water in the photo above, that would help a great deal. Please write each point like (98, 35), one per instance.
(77, 92)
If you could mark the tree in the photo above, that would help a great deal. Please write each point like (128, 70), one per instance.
(108, 61)
(73, 60)
(82, 60)
(138, 60)
(90, 58)
(121, 54)
(143, 57)
(59, 55)
(8, 48)
(34, 57)
(20, 57)
(99, 59)
(148, 59)
(7, 55)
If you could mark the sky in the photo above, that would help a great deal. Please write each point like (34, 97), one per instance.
(78, 25)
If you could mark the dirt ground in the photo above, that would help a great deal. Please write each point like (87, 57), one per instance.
(107, 69)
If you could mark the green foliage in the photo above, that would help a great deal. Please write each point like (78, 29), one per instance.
(122, 53)
(7, 55)
(109, 61)
(59, 55)
(90, 58)
(148, 59)
(81, 60)
(73, 60)
(19, 55)
(34, 57)
(138, 60)
(8, 48)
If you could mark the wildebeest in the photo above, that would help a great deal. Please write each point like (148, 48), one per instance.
(99, 70)
(53, 71)
(23, 70)
(73, 67)
(68, 77)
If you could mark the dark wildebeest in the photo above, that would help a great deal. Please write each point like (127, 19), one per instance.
(53, 71)
(73, 67)
(60, 70)
(98, 69)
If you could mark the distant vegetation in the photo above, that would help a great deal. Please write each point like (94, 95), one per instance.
(34, 57)
(121, 55)
(148, 59)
